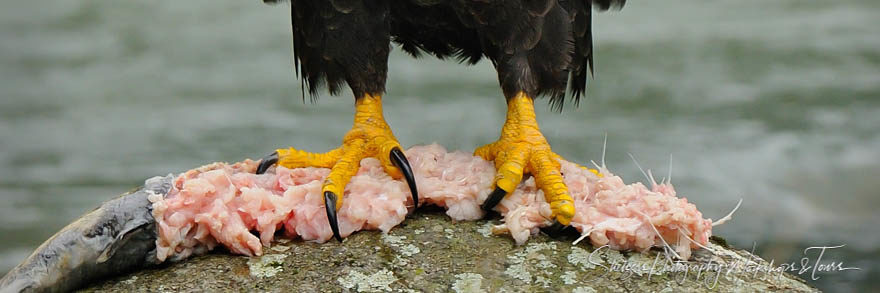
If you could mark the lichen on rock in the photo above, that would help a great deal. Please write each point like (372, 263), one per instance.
(418, 256)
(468, 283)
(375, 282)
(267, 265)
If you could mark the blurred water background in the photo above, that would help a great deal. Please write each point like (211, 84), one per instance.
(774, 102)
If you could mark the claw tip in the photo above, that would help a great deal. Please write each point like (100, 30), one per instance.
(493, 199)
(399, 160)
(330, 205)
(267, 162)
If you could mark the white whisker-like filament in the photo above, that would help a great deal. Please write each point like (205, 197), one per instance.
(729, 216)
(604, 148)
(583, 236)
(694, 241)
(659, 235)
(640, 166)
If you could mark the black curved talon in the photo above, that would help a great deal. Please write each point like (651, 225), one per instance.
(330, 205)
(399, 160)
(267, 162)
(556, 229)
(494, 198)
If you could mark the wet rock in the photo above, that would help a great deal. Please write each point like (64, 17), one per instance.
(430, 253)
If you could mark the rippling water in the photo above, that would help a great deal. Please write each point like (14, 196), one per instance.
(774, 102)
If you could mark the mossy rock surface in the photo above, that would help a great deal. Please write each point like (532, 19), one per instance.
(430, 253)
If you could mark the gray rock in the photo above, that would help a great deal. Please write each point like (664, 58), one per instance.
(430, 253)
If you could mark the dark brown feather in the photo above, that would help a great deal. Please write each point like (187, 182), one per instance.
(541, 47)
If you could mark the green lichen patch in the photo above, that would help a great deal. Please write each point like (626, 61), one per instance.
(486, 229)
(375, 282)
(584, 290)
(580, 258)
(267, 265)
(468, 283)
(569, 278)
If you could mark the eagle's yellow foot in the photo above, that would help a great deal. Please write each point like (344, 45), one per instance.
(369, 137)
(523, 149)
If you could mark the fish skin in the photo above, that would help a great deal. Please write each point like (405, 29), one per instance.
(117, 237)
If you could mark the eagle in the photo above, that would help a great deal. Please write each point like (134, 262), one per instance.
(539, 48)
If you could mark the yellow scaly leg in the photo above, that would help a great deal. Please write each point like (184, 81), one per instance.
(523, 149)
(370, 136)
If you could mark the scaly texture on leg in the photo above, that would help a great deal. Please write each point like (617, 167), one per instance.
(370, 136)
(523, 149)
